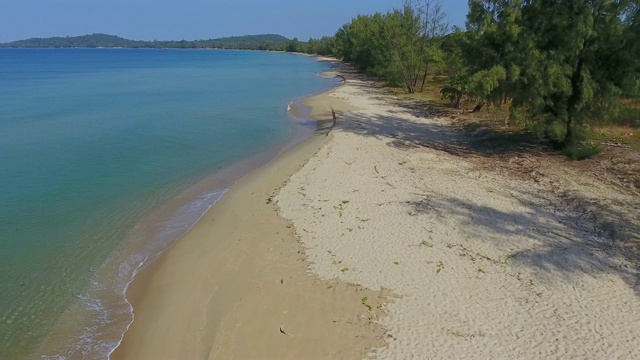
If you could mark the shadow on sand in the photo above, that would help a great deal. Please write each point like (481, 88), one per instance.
(574, 234)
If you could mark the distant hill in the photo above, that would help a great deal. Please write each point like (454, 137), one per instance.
(248, 42)
(89, 41)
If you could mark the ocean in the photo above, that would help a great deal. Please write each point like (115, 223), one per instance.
(107, 157)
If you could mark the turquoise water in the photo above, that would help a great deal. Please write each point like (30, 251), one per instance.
(93, 141)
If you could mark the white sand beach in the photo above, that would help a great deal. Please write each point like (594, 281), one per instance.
(483, 263)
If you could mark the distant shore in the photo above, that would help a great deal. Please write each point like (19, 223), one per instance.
(248, 42)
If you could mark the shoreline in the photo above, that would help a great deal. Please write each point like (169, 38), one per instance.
(181, 213)
(178, 274)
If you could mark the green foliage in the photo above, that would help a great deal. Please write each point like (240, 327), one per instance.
(456, 69)
(363, 43)
(323, 46)
(398, 46)
(561, 64)
(294, 45)
(402, 32)
(456, 90)
(485, 84)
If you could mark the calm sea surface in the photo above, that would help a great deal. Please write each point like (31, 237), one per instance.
(99, 153)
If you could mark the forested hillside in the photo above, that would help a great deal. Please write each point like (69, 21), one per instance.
(249, 42)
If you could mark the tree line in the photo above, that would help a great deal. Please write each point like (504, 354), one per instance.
(553, 65)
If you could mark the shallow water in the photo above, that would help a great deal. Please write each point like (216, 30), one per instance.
(99, 153)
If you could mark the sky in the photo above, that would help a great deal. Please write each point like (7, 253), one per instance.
(190, 19)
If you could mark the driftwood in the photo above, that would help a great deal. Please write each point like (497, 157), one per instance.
(335, 121)
(282, 330)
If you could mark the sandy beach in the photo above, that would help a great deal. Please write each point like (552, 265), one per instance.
(491, 257)
(236, 286)
(394, 238)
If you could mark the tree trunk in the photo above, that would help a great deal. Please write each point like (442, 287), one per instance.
(575, 98)
(506, 102)
(408, 78)
(424, 77)
(568, 137)
(478, 107)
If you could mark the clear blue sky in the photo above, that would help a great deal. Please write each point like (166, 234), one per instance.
(190, 19)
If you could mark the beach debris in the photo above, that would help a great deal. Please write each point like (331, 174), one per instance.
(341, 206)
(364, 302)
(282, 330)
(616, 144)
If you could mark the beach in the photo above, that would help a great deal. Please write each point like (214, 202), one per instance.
(395, 237)
(236, 286)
